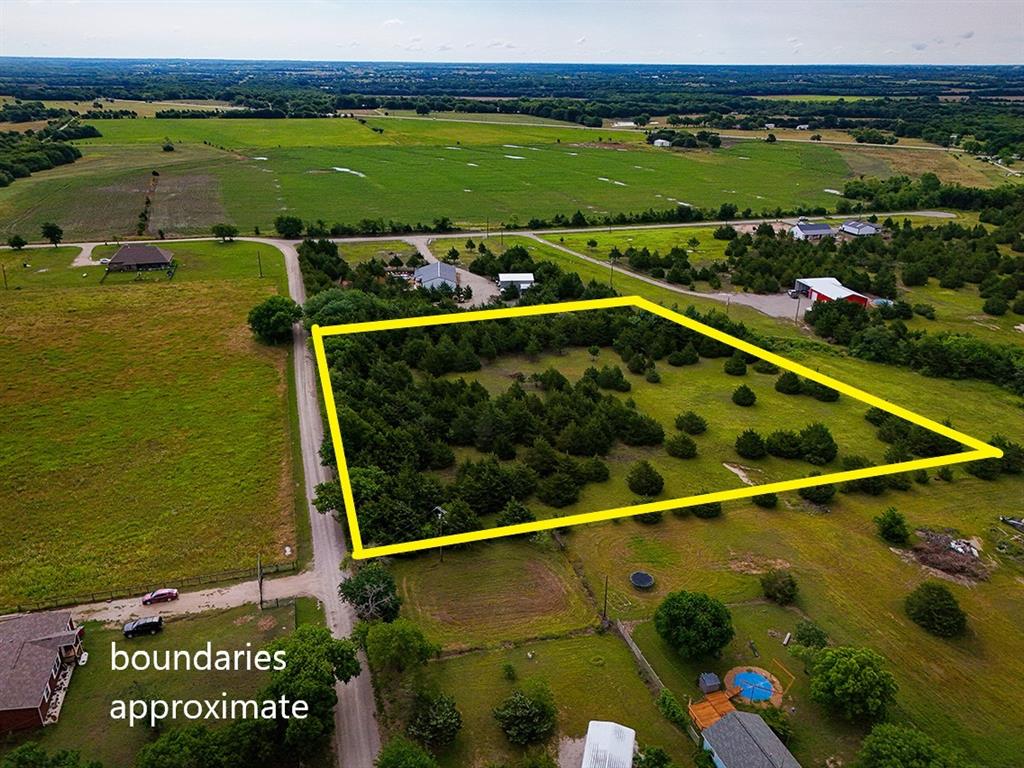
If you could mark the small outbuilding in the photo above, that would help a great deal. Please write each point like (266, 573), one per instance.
(662, 143)
(860, 228)
(521, 280)
(708, 682)
(608, 745)
(437, 275)
(806, 230)
(803, 127)
(139, 258)
(769, 126)
(827, 289)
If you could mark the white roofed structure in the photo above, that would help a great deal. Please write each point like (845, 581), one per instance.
(609, 745)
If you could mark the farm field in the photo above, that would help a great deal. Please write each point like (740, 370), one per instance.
(592, 677)
(144, 109)
(247, 172)
(662, 240)
(85, 724)
(142, 422)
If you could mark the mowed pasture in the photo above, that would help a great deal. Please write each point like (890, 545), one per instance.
(247, 172)
(146, 434)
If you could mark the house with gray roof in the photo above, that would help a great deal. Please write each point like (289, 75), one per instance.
(744, 740)
(436, 275)
(138, 257)
(860, 228)
(806, 230)
(38, 652)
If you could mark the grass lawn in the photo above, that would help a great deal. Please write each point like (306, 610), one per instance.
(592, 678)
(960, 311)
(382, 250)
(145, 431)
(662, 240)
(506, 591)
(43, 267)
(85, 723)
(247, 172)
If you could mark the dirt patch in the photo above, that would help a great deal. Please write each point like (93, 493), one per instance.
(755, 565)
(742, 472)
(243, 620)
(570, 752)
(266, 624)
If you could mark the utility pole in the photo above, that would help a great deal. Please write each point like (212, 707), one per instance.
(259, 576)
(259, 262)
(796, 317)
(604, 612)
(4, 268)
(440, 530)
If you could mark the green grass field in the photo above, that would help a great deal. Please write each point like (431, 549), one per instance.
(249, 171)
(145, 431)
(592, 678)
(85, 724)
(662, 240)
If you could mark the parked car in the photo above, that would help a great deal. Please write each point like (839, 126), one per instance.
(160, 596)
(104, 261)
(148, 625)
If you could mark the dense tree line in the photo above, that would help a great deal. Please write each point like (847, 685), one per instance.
(22, 154)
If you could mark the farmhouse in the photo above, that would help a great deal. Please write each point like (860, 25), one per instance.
(662, 143)
(139, 258)
(608, 745)
(38, 653)
(521, 280)
(437, 275)
(827, 289)
(806, 230)
(744, 740)
(859, 228)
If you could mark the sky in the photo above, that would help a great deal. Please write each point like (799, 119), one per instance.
(652, 32)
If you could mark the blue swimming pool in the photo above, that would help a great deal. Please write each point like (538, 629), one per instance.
(754, 686)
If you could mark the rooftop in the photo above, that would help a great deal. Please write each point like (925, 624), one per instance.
(811, 228)
(744, 740)
(609, 745)
(437, 269)
(140, 254)
(28, 648)
(827, 286)
(515, 277)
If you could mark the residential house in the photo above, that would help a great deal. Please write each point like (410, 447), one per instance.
(806, 230)
(437, 275)
(139, 258)
(38, 653)
(860, 228)
(744, 740)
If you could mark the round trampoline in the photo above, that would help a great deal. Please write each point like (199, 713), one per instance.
(641, 580)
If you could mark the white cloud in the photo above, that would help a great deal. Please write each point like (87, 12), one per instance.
(392, 23)
(581, 40)
(968, 34)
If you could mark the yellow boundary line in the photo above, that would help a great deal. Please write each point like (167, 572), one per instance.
(979, 449)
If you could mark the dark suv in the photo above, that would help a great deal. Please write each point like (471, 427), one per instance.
(148, 625)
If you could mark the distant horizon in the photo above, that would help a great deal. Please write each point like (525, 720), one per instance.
(640, 32)
(454, 62)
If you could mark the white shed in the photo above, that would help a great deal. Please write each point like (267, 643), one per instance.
(609, 745)
(521, 280)
(662, 143)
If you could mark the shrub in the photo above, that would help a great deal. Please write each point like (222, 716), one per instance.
(514, 513)
(685, 356)
(892, 527)
(852, 682)
(435, 720)
(652, 376)
(681, 447)
(558, 490)
(901, 746)
(528, 714)
(707, 511)
(818, 494)
(809, 634)
(691, 423)
(788, 384)
(736, 365)
(593, 470)
(934, 608)
(820, 391)
(644, 480)
(995, 305)
(744, 396)
(779, 586)
(402, 753)
(272, 319)
(817, 445)
(766, 500)
(372, 592)
(693, 624)
(763, 366)
(671, 709)
(508, 671)
(784, 444)
(750, 445)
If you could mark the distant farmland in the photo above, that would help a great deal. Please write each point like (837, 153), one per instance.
(250, 171)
